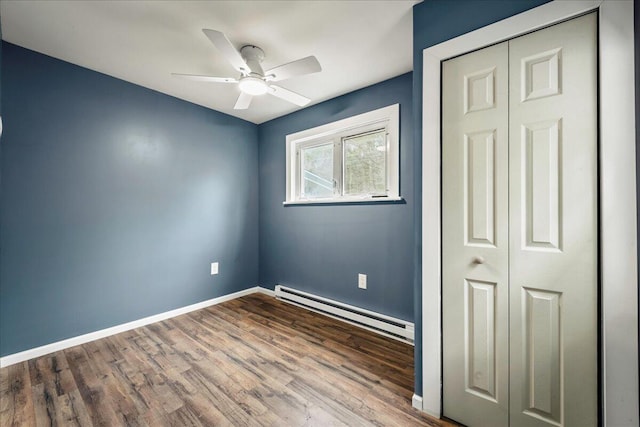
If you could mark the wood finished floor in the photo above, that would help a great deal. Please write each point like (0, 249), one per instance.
(253, 361)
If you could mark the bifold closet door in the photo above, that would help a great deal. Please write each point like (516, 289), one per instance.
(475, 243)
(519, 201)
(553, 266)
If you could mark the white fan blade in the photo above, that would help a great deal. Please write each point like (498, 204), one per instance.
(288, 95)
(300, 67)
(226, 48)
(243, 102)
(211, 79)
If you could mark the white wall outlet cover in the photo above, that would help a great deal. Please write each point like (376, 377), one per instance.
(362, 281)
(214, 268)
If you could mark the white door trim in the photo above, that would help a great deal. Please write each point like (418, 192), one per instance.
(618, 236)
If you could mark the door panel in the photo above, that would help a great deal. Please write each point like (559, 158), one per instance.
(480, 369)
(553, 225)
(542, 340)
(475, 226)
(541, 224)
(479, 184)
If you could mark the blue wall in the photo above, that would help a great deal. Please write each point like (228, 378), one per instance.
(435, 21)
(115, 199)
(322, 248)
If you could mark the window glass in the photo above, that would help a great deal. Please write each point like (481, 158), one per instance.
(317, 171)
(365, 164)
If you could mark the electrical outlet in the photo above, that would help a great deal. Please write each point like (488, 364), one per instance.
(214, 268)
(362, 281)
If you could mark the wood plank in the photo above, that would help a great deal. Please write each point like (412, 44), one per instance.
(44, 406)
(16, 402)
(91, 388)
(73, 410)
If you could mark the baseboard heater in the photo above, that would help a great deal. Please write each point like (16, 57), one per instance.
(376, 322)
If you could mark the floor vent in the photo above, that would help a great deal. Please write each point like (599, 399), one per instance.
(384, 325)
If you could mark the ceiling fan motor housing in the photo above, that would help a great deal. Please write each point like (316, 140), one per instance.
(253, 56)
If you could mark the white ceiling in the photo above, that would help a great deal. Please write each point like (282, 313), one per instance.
(358, 43)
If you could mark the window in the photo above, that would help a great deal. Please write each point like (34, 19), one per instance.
(351, 160)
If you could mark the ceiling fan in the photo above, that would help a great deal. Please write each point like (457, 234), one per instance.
(253, 81)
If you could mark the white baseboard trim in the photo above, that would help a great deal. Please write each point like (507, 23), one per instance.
(12, 359)
(261, 290)
(416, 402)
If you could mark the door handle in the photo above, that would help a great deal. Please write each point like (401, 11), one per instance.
(477, 260)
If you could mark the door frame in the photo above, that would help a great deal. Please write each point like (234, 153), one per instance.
(617, 184)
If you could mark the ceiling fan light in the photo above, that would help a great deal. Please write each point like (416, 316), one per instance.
(253, 86)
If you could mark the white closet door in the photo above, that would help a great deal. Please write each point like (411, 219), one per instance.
(475, 237)
(553, 225)
(520, 234)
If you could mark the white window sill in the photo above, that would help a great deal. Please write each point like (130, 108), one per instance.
(340, 200)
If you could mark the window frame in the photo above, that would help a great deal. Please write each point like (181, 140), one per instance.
(387, 118)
